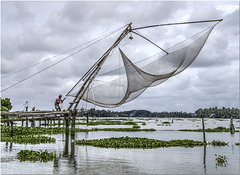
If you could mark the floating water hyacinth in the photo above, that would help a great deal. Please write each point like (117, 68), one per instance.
(136, 142)
(221, 161)
(28, 139)
(30, 155)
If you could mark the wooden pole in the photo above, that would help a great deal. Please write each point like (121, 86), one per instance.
(87, 117)
(59, 122)
(11, 128)
(73, 126)
(7, 120)
(232, 129)
(203, 126)
(66, 116)
(26, 121)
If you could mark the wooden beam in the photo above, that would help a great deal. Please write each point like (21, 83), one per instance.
(26, 113)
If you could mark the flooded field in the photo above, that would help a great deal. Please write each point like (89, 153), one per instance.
(74, 159)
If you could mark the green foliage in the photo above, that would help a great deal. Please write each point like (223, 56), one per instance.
(218, 129)
(133, 113)
(218, 113)
(221, 160)
(107, 122)
(237, 143)
(28, 139)
(218, 143)
(136, 126)
(136, 142)
(30, 155)
(167, 123)
(6, 105)
(20, 130)
(113, 129)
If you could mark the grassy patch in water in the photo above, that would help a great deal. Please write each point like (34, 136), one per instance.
(218, 143)
(30, 155)
(221, 160)
(106, 122)
(136, 126)
(113, 129)
(218, 129)
(136, 142)
(6, 130)
(237, 143)
(28, 139)
(20, 130)
(167, 123)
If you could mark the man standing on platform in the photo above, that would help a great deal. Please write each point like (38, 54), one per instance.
(58, 101)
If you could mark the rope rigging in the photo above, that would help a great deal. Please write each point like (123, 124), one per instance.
(136, 80)
(168, 63)
(74, 53)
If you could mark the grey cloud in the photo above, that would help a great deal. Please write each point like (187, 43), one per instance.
(211, 79)
(20, 13)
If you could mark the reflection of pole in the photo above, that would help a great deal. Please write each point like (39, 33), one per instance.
(72, 159)
(203, 126)
(56, 166)
(72, 145)
(204, 160)
(65, 153)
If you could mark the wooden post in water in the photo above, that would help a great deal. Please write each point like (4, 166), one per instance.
(66, 117)
(87, 117)
(11, 128)
(73, 115)
(232, 129)
(7, 120)
(59, 122)
(203, 126)
(26, 121)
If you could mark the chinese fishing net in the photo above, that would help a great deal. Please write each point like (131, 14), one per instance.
(122, 85)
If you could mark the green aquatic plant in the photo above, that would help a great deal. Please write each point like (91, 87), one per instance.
(113, 129)
(30, 155)
(218, 129)
(20, 130)
(218, 143)
(107, 122)
(237, 143)
(168, 123)
(136, 142)
(136, 126)
(28, 139)
(221, 160)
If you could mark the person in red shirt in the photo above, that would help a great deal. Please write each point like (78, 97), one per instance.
(57, 102)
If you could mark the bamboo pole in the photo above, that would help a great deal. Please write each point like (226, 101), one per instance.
(203, 126)
(11, 128)
(177, 23)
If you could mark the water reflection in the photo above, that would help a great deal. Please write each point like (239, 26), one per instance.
(74, 159)
(67, 156)
(204, 159)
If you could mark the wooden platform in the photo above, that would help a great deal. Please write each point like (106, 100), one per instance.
(34, 115)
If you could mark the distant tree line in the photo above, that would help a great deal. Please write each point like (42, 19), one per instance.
(218, 113)
(215, 112)
(207, 112)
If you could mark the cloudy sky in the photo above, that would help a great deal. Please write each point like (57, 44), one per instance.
(33, 32)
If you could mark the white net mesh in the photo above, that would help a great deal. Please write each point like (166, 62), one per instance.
(123, 85)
